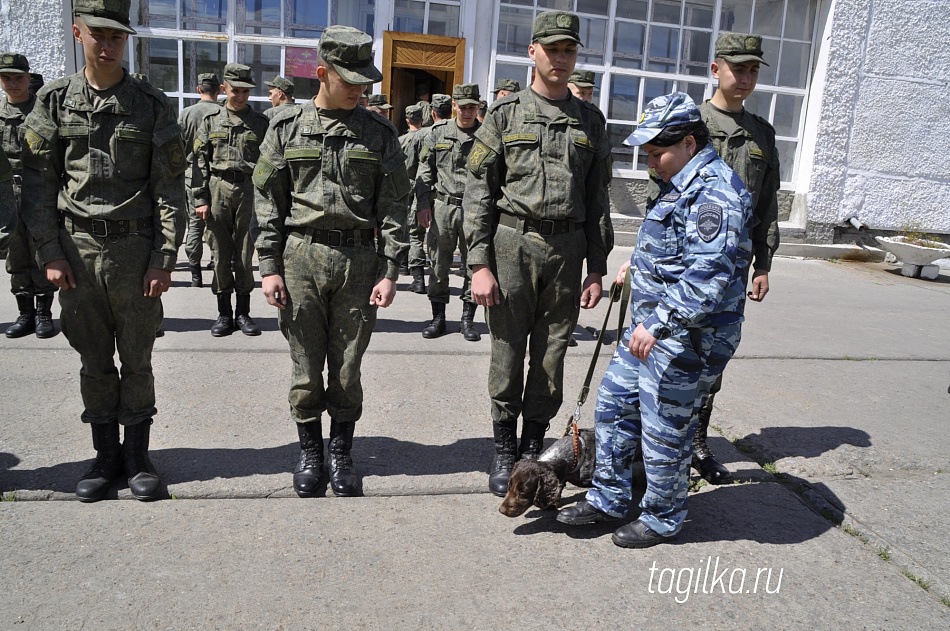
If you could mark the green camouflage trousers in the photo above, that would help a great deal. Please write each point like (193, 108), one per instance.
(107, 311)
(26, 277)
(194, 247)
(417, 237)
(540, 283)
(229, 236)
(327, 321)
(445, 232)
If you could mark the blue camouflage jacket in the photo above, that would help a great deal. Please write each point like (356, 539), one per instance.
(691, 262)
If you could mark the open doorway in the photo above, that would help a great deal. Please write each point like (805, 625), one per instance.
(411, 60)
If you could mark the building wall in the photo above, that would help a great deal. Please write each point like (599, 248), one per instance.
(36, 29)
(880, 145)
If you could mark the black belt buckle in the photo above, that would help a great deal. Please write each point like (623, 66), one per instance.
(339, 238)
(546, 227)
(105, 228)
(18, 180)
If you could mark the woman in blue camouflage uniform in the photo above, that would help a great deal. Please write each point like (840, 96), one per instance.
(690, 268)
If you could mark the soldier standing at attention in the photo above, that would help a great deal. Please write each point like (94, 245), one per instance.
(535, 208)
(27, 280)
(103, 149)
(504, 87)
(442, 168)
(227, 146)
(281, 95)
(411, 143)
(189, 119)
(581, 84)
(331, 174)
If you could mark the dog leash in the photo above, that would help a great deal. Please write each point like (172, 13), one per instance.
(618, 293)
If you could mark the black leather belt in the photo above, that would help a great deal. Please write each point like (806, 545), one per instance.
(336, 238)
(544, 227)
(106, 227)
(449, 199)
(235, 177)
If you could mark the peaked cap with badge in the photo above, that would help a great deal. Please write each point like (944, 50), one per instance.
(466, 94)
(554, 26)
(350, 52)
(14, 63)
(662, 112)
(282, 83)
(507, 84)
(208, 78)
(582, 78)
(380, 101)
(440, 100)
(239, 76)
(739, 47)
(112, 14)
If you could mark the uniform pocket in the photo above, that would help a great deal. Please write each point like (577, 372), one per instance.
(304, 164)
(132, 152)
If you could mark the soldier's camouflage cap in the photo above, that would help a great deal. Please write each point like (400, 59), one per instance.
(739, 48)
(466, 94)
(671, 109)
(582, 78)
(14, 63)
(112, 14)
(282, 83)
(350, 52)
(239, 76)
(439, 100)
(554, 26)
(208, 78)
(380, 101)
(507, 84)
(413, 111)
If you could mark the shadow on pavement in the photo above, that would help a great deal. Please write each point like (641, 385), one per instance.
(775, 443)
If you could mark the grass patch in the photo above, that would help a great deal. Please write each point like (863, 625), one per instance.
(770, 468)
(696, 484)
(884, 553)
(8, 497)
(924, 584)
(854, 532)
(945, 601)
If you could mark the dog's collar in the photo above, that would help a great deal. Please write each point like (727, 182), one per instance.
(578, 459)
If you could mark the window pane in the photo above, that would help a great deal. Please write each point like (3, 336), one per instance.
(793, 69)
(700, 13)
(628, 45)
(664, 42)
(156, 13)
(264, 62)
(203, 57)
(667, 11)
(443, 20)
(759, 103)
(409, 16)
(307, 18)
(770, 54)
(157, 59)
(786, 157)
(511, 71)
(622, 154)
(696, 91)
(624, 94)
(525, 3)
(600, 7)
(695, 53)
(260, 17)
(633, 9)
(788, 114)
(514, 30)
(559, 5)
(653, 88)
(594, 35)
(359, 14)
(768, 17)
(300, 64)
(736, 16)
(205, 15)
(800, 19)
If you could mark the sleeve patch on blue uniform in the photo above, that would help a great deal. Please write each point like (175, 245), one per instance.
(709, 221)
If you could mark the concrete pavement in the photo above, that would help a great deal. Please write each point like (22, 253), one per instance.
(839, 388)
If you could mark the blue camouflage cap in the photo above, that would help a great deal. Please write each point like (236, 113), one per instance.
(662, 112)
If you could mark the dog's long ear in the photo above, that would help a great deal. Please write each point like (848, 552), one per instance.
(549, 488)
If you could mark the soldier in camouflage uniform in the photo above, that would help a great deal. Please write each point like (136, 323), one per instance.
(411, 143)
(422, 100)
(27, 280)
(8, 210)
(227, 146)
(504, 87)
(379, 103)
(535, 208)
(189, 119)
(281, 96)
(442, 168)
(581, 84)
(331, 174)
(104, 161)
(691, 265)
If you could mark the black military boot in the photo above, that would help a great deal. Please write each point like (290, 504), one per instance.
(44, 317)
(532, 440)
(242, 316)
(418, 284)
(436, 327)
(310, 465)
(196, 280)
(506, 453)
(467, 325)
(26, 322)
(106, 467)
(224, 325)
(143, 481)
(343, 477)
(703, 459)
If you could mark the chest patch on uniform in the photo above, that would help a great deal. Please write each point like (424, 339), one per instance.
(756, 153)
(709, 221)
(443, 145)
(670, 197)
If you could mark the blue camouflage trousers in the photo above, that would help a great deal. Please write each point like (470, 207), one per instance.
(652, 403)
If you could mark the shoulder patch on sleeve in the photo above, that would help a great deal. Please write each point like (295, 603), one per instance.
(402, 186)
(709, 221)
(477, 157)
(174, 151)
(35, 148)
(263, 173)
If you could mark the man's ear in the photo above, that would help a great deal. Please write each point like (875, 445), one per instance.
(715, 69)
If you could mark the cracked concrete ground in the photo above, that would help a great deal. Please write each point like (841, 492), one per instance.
(840, 381)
